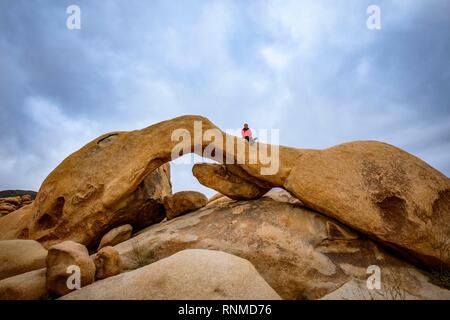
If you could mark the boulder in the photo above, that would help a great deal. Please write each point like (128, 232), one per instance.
(6, 208)
(183, 202)
(186, 275)
(16, 224)
(26, 286)
(12, 203)
(381, 191)
(229, 180)
(62, 256)
(20, 256)
(78, 213)
(107, 263)
(116, 235)
(300, 253)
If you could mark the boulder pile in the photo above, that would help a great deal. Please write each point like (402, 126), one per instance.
(312, 229)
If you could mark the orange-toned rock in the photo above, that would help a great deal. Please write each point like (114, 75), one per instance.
(61, 259)
(231, 181)
(183, 202)
(107, 263)
(16, 224)
(79, 214)
(381, 191)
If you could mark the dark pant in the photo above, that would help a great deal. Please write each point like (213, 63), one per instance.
(247, 138)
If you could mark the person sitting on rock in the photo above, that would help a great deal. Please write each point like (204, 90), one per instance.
(247, 134)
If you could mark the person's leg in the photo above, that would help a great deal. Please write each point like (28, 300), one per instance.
(247, 138)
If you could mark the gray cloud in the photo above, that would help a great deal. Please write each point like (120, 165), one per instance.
(309, 68)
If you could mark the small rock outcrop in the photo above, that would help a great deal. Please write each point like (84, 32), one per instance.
(10, 204)
(16, 225)
(183, 202)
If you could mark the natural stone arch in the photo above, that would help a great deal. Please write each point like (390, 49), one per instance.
(378, 189)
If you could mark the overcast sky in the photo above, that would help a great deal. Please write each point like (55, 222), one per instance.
(309, 68)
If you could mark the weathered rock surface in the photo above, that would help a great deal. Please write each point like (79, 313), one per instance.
(10, 204)
(116, 235)
(107, 263)
(16, 224)
(230, 180)
(79, 214)
(20, 256)
(392, 288)
(183, 202)
(189, 274)
(300, 253)
(26, 286)
(64, 255)
(382, 191)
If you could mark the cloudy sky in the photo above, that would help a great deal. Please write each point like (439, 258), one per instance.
(309, 68)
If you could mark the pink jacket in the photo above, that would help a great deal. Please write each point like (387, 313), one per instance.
(247, 133)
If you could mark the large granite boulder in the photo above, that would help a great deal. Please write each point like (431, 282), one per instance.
(300, 253)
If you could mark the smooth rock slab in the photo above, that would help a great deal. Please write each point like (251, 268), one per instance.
(189, 274)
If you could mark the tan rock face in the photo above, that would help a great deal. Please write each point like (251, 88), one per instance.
(230, 180)
(79, 214)
(16, 225)
(107, 263)
(116, 235)
(20, 256)
(183, 202)
(382, 191)
(301, 254)
(60, 257)
(26, 286)
(189, 274)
